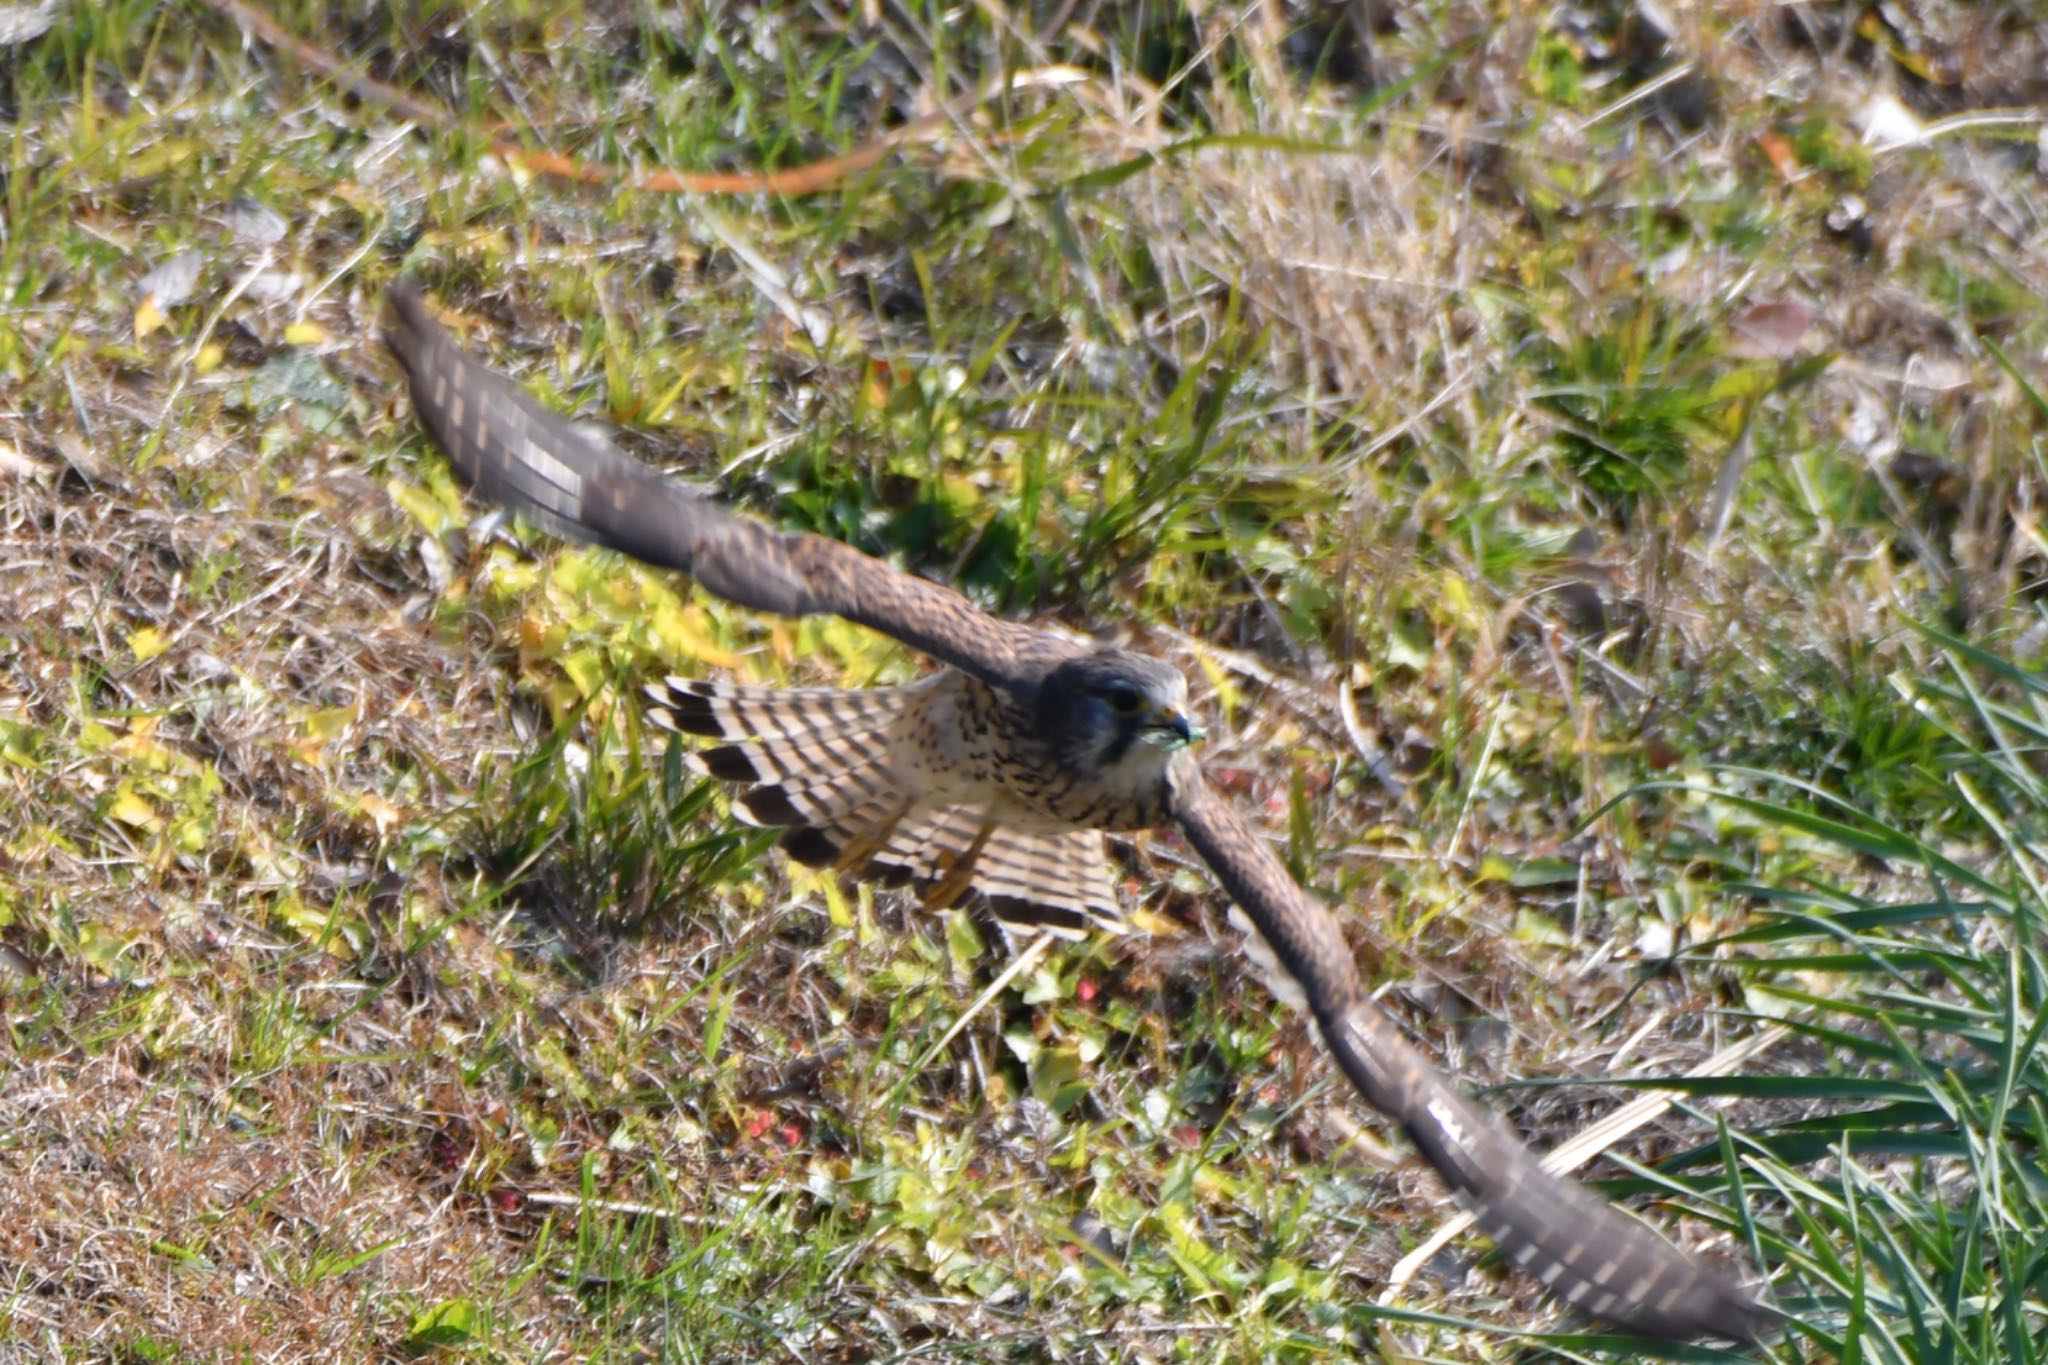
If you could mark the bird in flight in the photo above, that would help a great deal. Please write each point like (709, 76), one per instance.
(998, 774)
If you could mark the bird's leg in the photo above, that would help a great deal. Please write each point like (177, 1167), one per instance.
(868, 843)
(957, 870)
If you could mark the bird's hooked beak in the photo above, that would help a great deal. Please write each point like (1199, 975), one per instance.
(1169, 729)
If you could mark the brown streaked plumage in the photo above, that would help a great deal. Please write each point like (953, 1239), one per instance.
(997, 775)
(890, 783)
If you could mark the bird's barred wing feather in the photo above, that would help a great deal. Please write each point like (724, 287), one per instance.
(575, 484)
(820, 760)
(720, 710)
(1573, 1242)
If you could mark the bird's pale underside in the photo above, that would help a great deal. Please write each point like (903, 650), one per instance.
(994, 778)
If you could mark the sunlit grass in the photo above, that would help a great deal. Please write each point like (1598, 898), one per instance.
(374, 985)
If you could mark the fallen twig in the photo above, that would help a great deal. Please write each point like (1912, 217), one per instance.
(810, 178)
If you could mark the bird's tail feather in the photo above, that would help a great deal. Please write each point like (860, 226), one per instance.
(1056, 880)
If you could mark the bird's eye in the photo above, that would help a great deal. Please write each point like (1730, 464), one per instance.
(1124, 700)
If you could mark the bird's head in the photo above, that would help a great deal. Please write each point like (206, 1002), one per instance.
(1113, 712)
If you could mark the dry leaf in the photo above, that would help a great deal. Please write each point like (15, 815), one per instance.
(1772, 330)
(255, 224)
(1779, 152)
(25, 23)
(173, 282)
(146, 643)
(15, 465)
(164, 288)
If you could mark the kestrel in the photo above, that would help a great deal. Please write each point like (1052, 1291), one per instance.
(997, 776)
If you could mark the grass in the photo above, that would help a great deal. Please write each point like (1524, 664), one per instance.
(1616, 589)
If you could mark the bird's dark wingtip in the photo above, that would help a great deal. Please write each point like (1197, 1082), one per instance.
(1746, 1319)
(1719, 1309)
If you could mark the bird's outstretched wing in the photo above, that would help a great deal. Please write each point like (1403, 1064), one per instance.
(1573, 1242)
(576, 484)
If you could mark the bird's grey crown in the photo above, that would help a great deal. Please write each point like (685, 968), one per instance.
(1101, 674)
